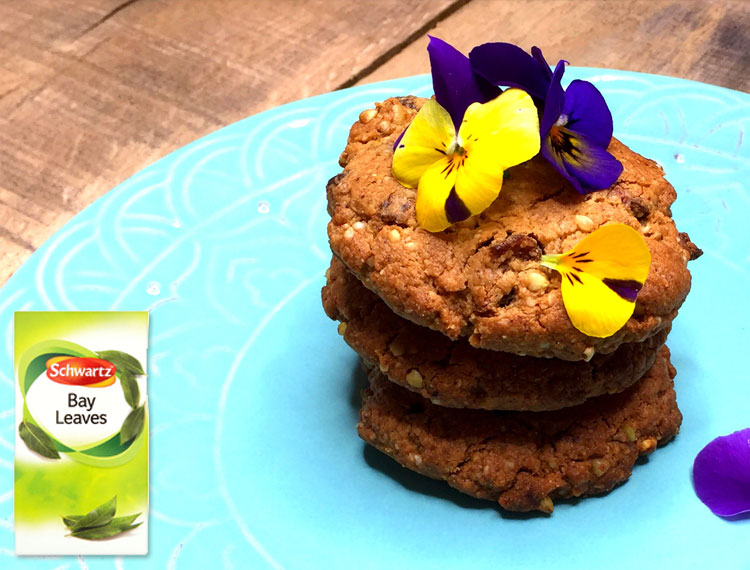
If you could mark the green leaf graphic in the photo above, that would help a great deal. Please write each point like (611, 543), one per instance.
(100, 516)
(123, 361)
(130, 389)
(37, 440)
(133, 425)
(71, 520)
(117, 526)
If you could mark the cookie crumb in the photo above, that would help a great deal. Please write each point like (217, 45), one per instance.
(536, 281)
(647, 445)
(546, 505)
(414, 378)
(396, 348)
(584, 223)
(385, 128)
(367, 115)
(599, 467)
(629, 432)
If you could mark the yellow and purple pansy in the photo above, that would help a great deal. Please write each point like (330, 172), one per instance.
(459, 144)
(457, 147)
(601, 278)
(576, 124)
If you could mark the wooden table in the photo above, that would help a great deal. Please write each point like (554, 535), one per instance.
(91, 91)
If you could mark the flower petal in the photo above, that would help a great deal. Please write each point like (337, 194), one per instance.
(601, 278)
(423, 143)
(555, 100)
(593, 308)
(587, 166)
(436, 197)
(614, 251)
(721, 474)
(479, 180)
(537, 55)
(507, 127)
(495, 136)
(588, 113)
(456, 86)
(508, 65)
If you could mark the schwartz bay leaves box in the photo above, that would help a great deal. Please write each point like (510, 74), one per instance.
(81, 462)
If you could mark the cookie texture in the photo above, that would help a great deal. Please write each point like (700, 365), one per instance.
(524, 460)
(454, 373)
(481, 278)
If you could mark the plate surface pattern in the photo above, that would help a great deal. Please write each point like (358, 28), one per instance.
(255, 462)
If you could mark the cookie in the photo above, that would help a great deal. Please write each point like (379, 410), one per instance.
(481, 278)
(453, 373)
(524, 460)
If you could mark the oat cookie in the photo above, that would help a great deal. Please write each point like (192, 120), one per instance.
(453, 373)
(481, 278)
(524, 460)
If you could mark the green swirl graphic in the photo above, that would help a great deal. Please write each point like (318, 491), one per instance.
(109, 452)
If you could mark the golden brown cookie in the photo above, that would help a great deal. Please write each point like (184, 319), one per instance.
(481, 278)
(524, 460)
(454, 373)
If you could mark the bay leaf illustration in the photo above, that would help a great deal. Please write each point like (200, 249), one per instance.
(133, 425)
(107, 531)
(130, 389)
(37, 440)
(123, 361)
(100, 516)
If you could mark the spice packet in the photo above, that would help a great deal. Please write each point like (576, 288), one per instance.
(81, 461)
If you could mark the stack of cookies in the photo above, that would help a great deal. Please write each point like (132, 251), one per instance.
(477, 375)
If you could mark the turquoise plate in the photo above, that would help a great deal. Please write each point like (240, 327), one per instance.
(253, 395)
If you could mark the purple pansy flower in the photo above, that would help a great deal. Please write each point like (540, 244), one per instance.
(457, 147)
(455, 85)
(721, 474)
(576, 125)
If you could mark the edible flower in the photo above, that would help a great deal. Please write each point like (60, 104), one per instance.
(576, 125)
(721, 474)
(601, 278)
(458, 145)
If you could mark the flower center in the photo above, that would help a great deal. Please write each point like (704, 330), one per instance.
(456, 147)
(556, 136)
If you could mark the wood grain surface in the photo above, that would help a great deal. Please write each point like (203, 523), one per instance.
(91, 91)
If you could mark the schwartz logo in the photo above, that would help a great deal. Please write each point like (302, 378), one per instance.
(81, 371)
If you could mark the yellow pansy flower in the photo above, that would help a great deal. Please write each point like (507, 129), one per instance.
(601, 278)
(458, 175)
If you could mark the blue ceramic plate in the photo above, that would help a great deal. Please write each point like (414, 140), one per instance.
(253, 395)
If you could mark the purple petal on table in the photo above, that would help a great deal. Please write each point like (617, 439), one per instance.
(537, 55)
(721, 474)
(587, 166)
(587, 112)
(555, 100)
(456, 86)
(508, 65)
